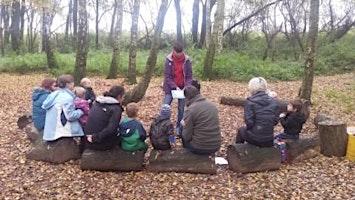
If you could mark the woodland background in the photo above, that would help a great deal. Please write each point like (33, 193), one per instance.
(302, 47)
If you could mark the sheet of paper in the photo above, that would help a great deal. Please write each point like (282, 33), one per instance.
(220, 161)
(178, 94)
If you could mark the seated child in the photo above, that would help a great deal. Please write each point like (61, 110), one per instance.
(81, 103)
(292, 121)
(131, 131)
(90, 95)
(161, 132)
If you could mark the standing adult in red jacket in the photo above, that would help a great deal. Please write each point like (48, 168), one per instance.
(177, 75)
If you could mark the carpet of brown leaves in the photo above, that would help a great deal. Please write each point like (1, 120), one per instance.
(317, 178)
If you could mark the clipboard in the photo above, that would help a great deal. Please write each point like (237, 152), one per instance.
(177, 94)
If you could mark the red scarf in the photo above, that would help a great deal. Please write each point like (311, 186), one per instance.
(179, 70)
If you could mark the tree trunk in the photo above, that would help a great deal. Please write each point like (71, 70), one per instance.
(82, 43)
(117, 42)
(2, 48)
(112, 29)
(75, 23)
(131, 76)
(195, 17)
(137, 93)
(306, 88)
(208, 23)
(46, 27)
(22, 20)
(97, 25)
(6, 19)
(333, 138)
(180, 160)
(208, 62)
(220, 30)
(69, 21)
(203, 25)
(15, 27)
(178, 20)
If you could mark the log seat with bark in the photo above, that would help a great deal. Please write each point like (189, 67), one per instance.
(33, 134)
(245, 158)
(181, 160)
(57, 152)
(333, 138)
(112, 160)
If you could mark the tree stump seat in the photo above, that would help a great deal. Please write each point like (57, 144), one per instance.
(57, 152)
(333, 137)
(180, 160)
(112, 160)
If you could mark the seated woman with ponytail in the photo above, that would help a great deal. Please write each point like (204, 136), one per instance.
(104, 119)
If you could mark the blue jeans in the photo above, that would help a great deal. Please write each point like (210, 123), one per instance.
(181, 105)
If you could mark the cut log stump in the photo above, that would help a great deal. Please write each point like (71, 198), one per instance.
(245, 158)
(112, 160)
(33, 134)
(57, 152)
(333, 138)
(181, 160)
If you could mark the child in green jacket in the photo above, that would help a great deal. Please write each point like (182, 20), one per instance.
(131, 130)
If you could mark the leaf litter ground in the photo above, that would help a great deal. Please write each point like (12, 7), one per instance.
(316, 178)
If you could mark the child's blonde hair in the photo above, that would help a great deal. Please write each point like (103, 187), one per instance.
(132, 109)
(80, 92)
(84, 81)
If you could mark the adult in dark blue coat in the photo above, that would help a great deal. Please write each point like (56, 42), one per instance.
(260, 116)
(38, 96)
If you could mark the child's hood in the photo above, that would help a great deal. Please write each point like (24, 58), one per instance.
(38, 92)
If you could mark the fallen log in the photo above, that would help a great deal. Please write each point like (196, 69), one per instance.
(245, 158)
(112, 160)
(57, 152)
(333, 138)
(24, 120)
(180, 160)
(33, 134)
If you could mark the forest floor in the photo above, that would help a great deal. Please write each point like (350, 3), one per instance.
(316, 178)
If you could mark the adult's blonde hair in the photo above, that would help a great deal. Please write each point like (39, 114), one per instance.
(257, 84)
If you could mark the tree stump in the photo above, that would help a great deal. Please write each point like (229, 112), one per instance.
(33, 134)
(245, 158)
(57, 152)
(320, 117)
(112, 160)
(180, 160)
(333, 138)
(24, 120)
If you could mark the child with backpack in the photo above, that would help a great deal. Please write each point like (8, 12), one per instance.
(131, 130)
(161, 131)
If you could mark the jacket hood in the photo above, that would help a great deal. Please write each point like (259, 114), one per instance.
(195, 99)
(106, 100)
(50, 101)
(127, 127)
(39, 92)
(261, 98)
(170, 57)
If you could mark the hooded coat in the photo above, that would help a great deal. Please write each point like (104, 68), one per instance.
(260, 116)
(132, 135)
(293, 122)
(38, 113)
(160, 131)
(61, 116)
(103, 121)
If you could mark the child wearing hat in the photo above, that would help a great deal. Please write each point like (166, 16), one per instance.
(161, 131)
(292, 121)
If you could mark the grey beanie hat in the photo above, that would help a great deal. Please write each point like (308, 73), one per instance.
(165, 111)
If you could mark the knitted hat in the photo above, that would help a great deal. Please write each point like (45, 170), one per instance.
(165, 111)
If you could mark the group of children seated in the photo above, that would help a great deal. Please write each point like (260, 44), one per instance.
(131, 132)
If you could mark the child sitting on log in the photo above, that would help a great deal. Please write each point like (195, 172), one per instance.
(292, 120)
(161, 132)
(81, 103)
(90, 95)
(131, 130)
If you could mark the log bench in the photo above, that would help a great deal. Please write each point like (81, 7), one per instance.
(180, 160)
(246, 158)
(112, 160)
(57, 152)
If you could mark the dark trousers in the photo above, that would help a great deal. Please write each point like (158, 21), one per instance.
(287, 136)
(243, 136)
(192, 149)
